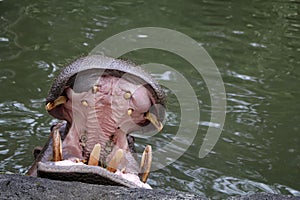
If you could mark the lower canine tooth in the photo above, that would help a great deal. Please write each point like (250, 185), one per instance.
(95, 155)
(146, 163)
(114, 162)
(56, 145)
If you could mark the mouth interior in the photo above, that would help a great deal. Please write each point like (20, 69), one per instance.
(99, 122)
(90, 167)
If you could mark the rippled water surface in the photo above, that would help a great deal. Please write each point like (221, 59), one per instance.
(255, 44)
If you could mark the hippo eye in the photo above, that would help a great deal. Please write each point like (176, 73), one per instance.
(127, 95)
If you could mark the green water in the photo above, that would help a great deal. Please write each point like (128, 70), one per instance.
(255, 44)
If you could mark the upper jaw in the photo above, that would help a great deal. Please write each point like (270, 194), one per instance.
(105, 116)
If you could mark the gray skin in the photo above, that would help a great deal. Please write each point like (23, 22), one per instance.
(100, 115)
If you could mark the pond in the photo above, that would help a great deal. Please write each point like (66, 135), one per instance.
(254, 44)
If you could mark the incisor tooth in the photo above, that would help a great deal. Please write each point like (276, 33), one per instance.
(95, 155)
(146, 164)
(56, 146)
(114, 162)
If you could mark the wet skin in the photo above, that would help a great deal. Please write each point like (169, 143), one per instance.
(101, 100)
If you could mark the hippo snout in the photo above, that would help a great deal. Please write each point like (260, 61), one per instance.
(101, 101)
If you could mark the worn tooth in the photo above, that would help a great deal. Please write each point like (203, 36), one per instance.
(129, 112)
(146, 162)
(95, 155)
(85, 103)
(127, 95)
(57, 146)
(95, 89)
(123, 170)
(153, 119)
(114, 162)
(56, 102)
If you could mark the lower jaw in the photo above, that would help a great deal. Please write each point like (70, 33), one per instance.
(115, 173)
(69, 171)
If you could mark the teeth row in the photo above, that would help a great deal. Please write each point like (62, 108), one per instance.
(95, 157)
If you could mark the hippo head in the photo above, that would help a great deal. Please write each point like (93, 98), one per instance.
(101, 101)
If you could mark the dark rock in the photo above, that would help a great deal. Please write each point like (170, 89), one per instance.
(15, 186)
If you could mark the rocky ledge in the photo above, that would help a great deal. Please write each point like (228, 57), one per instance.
(14, 186)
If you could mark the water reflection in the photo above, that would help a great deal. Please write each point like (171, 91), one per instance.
(6, 74)
(18, 124)
(233, 186)
(254, 44)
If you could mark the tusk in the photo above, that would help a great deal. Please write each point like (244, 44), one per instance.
(153, 119)
(146, 162)
(95, 155)
(114, 162)
(56, 102)
(57, 146)
(129, 111)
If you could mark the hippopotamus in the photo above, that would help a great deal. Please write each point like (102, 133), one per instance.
(100, 101)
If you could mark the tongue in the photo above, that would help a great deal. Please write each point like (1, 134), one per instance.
(133, 178)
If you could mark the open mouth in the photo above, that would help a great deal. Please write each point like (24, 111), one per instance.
(101, 100)
(91, 170)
